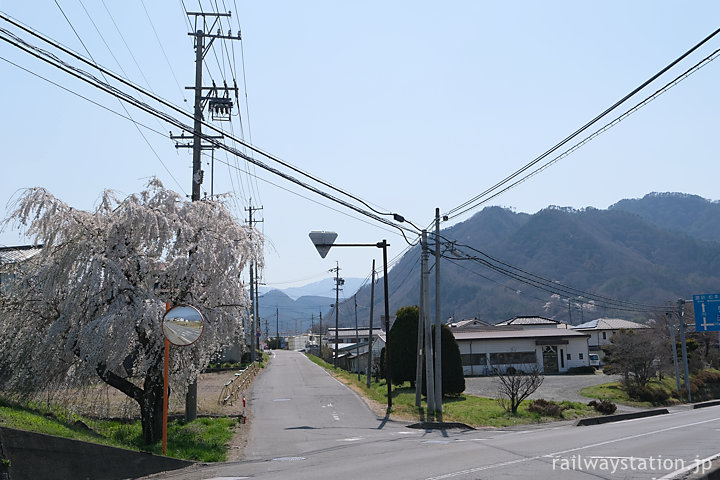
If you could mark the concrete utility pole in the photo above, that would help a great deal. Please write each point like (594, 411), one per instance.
(438, 320)
(357, 339)
(421, 332)
(674, 349)
(320, 328)
(254, 320)
(338, 281)
(680, 305)
(370, 333)
(216, 104)
(424, 294)
(277, 327)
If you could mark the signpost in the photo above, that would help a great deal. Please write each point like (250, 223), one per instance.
(707, 316)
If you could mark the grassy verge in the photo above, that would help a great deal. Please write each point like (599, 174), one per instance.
(614, 393)
(204, 439)
(467, 409)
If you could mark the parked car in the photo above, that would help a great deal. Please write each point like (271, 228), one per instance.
(594, 360)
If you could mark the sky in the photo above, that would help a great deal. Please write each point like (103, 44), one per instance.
(408, 105)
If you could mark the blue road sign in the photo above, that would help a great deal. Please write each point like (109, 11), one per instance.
(707, 316)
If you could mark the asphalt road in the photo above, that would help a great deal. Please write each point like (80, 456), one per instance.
(309, 426)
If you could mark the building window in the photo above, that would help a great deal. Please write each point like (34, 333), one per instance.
(581, 356)
(469, 359)
(604, 335)
(570, 356)
(510, 358)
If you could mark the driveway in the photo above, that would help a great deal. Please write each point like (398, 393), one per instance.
(554, 387)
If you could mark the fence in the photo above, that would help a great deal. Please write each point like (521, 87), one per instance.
(239, 383)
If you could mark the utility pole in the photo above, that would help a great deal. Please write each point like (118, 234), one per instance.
(254, 309)
(320, 328)
(438, 320)
(338, 282)
(429, 364)
(215, 103)
(257, 293)
(421, 332)
(357, 339)
(674, 349)
(277, 327)
(370, 333)
(680, 305)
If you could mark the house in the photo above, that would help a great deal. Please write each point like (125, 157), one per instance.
(469, 322)
(602, 329)
(10, 256)
(547, 348)
(355, 354)
(532, 322)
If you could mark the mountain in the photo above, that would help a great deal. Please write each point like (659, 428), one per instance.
(323, 288)
(679, 212)
(650, 251)
(290, 316)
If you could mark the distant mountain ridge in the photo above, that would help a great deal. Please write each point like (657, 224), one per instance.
(297, 309)
(651, 250)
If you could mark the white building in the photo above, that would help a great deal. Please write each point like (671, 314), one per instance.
(602, 329)
(549, 349)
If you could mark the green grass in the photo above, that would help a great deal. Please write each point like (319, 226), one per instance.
(614, 392)
(467, 409)
(203, 440)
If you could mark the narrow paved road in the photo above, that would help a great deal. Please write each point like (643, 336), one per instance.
(309, 426)
(298, 407)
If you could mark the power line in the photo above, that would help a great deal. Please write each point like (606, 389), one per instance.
(464, 206)
(674, 82)
(9, 37)
(85, 76)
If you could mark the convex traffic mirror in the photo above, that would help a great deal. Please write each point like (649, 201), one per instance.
(182, 325)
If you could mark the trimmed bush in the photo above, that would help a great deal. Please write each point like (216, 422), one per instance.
(656, 396)
(546, 408)
(605, 407)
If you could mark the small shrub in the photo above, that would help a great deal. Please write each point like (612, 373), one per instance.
(546, 408)
(656, 396)
(605, 407)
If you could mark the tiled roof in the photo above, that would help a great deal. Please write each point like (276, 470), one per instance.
(529, 321)
(18, 254)
(608, 324)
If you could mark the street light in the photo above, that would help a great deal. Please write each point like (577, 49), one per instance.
(323, 241)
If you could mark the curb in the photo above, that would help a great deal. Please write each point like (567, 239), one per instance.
(583, 422)
(710, 403)
(440, 425)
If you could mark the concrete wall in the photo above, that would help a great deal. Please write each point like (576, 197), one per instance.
(36, 456)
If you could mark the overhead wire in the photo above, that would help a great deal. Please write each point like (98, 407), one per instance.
(463, 206)
(396, 217)
(72, 27)
(543, 283)
(51, 59)
(101, 106)
(157, 37)
(672, 83)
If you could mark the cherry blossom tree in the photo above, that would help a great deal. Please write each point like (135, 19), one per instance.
(90, 304)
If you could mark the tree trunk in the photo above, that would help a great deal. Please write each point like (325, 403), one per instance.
(149, 398)
(151, 407)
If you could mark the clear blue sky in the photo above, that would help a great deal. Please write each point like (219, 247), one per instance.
(411, 105)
